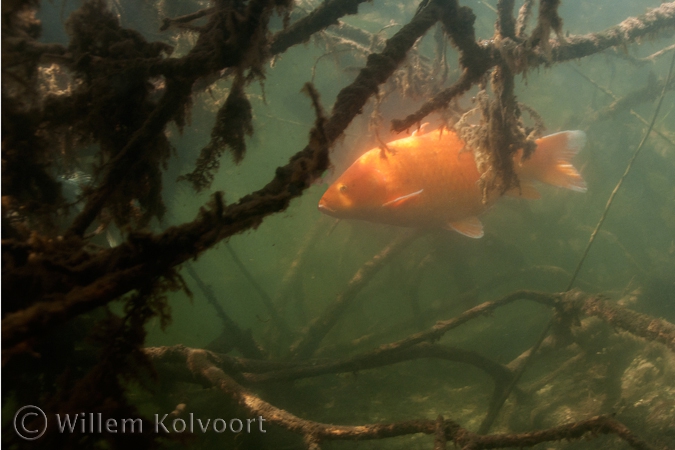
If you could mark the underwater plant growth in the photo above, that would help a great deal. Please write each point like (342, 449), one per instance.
(135, 284)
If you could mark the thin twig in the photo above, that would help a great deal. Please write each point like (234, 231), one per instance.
(618, 101)
(239, 338)
(169, 22)
(266, 299)
(318, 329)
(623, 177)
(493, 412)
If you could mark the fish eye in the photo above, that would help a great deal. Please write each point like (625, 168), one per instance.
(343, 188)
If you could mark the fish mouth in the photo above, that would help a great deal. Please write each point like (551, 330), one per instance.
(325, 209)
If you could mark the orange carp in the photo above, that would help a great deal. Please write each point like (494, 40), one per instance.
(430, 181)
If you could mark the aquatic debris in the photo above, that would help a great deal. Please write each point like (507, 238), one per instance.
(501, 131)
(221, 371)
(125, 91)
(233, 124)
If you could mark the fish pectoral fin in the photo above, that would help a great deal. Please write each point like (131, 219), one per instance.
(525, 190)
(402, 199)
(471, 227)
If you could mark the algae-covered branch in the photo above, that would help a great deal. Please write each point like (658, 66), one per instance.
(140, 138)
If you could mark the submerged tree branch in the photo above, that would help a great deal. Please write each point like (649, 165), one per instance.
(207, 367)
(130, 261)
(486, 53)
(57, 278)
(656, 20)
(201, 366)
(325, 15)
(642, 325)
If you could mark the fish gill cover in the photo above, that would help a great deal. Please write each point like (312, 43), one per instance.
(132, 287)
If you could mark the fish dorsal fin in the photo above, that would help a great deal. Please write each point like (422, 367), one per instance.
(525, 190)
(402, 199)
(423, 129)
(471, 227)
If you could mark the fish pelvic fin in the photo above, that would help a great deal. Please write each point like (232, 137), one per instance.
(552, 160)
(470, 226)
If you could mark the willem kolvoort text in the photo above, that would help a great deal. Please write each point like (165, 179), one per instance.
(94, 423)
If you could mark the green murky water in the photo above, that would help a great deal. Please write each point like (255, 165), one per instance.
(527, 245)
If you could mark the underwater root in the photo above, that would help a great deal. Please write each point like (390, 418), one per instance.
(129, 264)
(201, 366)
(478, 58)
(568, 306)
(111, 273)
(122, 93)
(254, 371)
(642, 325)
(229, 374)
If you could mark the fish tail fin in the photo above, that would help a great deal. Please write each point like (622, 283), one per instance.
(552, 160)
